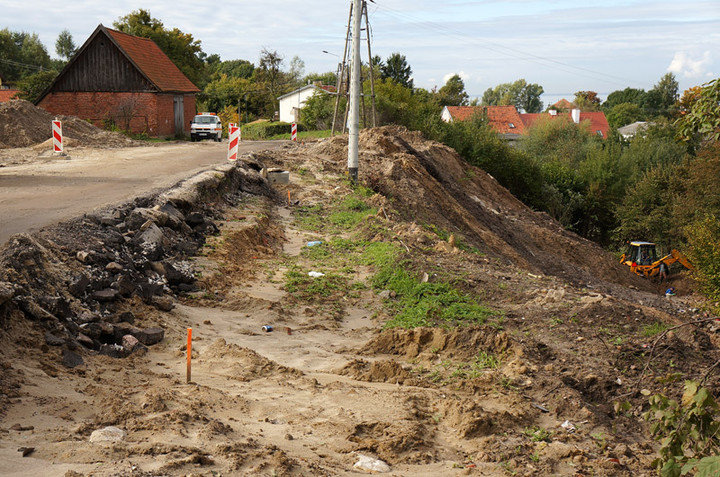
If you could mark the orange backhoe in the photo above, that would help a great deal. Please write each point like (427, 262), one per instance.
(642, 259)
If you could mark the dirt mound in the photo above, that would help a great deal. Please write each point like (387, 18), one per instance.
(384, 371)
(242, 364)
(430, 183)
(23, 124)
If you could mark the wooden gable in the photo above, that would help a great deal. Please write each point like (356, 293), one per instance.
(101, 66)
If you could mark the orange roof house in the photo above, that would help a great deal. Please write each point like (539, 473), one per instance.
(8, 94)
(508, 122)
(126, 80)
(504, 120)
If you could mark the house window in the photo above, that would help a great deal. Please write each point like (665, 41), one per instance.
(512, 126)
(599, 132)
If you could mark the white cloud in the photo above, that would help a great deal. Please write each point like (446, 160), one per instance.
(689, 67)
(464, 76)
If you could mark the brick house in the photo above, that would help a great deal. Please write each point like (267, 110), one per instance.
(125, 80)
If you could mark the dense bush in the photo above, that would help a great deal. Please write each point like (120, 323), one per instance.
(266, 129)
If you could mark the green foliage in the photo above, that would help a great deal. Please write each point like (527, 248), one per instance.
(654, 329)
(587, 100)
(318, 110)
(265, 129)
(702, 121)
(521, 94)
(184, 50)
(64, 45)
(688, 432)
(453, 92)
(624, 114)
(350, 212)
(23, 53)
(31, 87)
(397, 70)
(538, 434)
(627, 95)
(704, 240)
(304, 287)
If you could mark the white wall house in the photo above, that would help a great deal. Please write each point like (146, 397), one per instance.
(291, 103)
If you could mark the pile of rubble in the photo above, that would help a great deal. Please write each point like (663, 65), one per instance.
(77, 278)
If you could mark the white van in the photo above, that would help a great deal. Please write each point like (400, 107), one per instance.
(206, 126)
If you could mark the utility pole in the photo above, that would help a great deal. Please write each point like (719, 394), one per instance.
(355, 94)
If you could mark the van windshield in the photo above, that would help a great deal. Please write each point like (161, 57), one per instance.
(205, 120)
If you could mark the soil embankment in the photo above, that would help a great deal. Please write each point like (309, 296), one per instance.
(446, 329)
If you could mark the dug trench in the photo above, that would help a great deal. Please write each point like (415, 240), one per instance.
(447, 329)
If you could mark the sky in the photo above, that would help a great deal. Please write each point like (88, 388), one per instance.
(563, 45)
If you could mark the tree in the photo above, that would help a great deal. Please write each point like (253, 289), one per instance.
(521, 94)
(233, 68)
(31, 87)
(297, 70)
(624, 114)
(667, 89)
(453, 92)
(627, 95)
(396, 68)
(64, 45)
(23, 54)
(269, 73)
(587, 100)
(702, 121)
(184, 50)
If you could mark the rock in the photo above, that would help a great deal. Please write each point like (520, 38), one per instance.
(384, 295)
(82, 256)
(87, 317)
(371, 465)
(150, 241)
(107, 434)
(35, 311)
(163, 303)
(178, 272)
(127, 317)
(157, 267)
(125, 285)
(26, 451)
(71, 359)
(129, 342)
(114, 267)
(122, 329)
(21, 428)
(150, 336)
(78, 286)
(113, 350)
(195, 218)
(86, 341)
(7, 291)
(53, 340)
(141, 215)
(557, 450)
(106, 295)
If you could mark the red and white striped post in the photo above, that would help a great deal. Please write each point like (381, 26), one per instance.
(233, 140)
(293, 132)
(57, 136)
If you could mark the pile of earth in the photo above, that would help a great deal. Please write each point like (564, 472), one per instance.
(23, 124)
(429, 183)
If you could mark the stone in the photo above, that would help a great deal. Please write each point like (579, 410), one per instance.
(195, 218)
(106, 295)
(178, 272)
(163, 303)
(82, 256)
(53, 340)
(127, 317)
(34, 311)
(150, 336)
(79, 285)
(150, 241)
(384, 295)
(122, 329)
(71, 359)
(112, 350)
(114, 267)
(370, 464)
(87, 317)
(129, 342)
(107, 434)
(7, 291)
(125, 285)
(86, 341)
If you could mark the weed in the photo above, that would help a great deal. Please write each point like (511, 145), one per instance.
(486, 360)
(301, 286)
(535, 457)
(654, 329)
(538, 434)
(618, 340)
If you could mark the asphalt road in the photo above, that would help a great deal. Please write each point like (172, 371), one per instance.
(42, 193)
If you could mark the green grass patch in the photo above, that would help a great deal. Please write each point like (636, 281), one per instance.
(654, 329)
(350, 212)
(304, 287)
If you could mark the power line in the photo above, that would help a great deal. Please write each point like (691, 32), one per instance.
(17, 63)
(511, 52)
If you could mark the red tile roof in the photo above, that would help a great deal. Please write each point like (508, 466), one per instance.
(596, 120)
(7, 94)
(563, 104)
(503, 119)
(152, 62)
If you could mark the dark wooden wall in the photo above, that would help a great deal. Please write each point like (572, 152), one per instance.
(102, 67)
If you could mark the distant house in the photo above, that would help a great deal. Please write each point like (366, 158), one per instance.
(632, 129)
(8, 94)
(293, 102)
(505, 120)
(563, 105)
(128, 80)
(510, 124)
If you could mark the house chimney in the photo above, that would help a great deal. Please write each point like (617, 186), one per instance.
(575, 116)
(553, 112)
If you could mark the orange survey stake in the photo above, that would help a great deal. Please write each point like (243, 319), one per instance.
(189, 352)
